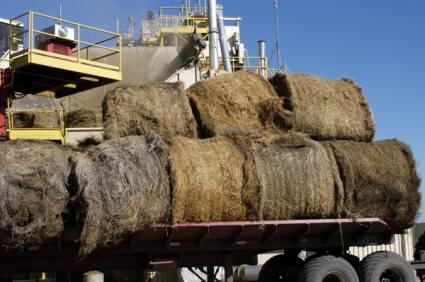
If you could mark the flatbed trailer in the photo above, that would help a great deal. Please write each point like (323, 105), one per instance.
(165, 246)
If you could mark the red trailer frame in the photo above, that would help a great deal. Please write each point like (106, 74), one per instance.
(165, 246)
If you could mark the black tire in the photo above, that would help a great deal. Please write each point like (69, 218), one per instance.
(385, 265)
(327, 268)
(280, 268)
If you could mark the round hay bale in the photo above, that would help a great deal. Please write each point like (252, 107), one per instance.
(226, 105)
(84, 118)
(122, 186)
(138, 110)
(380, 180)
(33, 188)
(207, 179)
(325, 109)
(294, 175)
(34, 119)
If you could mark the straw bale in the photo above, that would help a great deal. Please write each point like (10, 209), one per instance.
(325, 109)
(295, 178)
(122, 186)
(226, 105)
(207, 179)
(33, 188)
(137, 110)
(32, 119)
(380, 180)
(84, 118)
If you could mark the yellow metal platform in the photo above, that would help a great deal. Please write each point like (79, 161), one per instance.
(36, 70)
(56, 133)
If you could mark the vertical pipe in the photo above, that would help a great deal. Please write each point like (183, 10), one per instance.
(262, 55)
(31, 35)
(213, 34)
(223, 40)
(279, 60)
(93, 276)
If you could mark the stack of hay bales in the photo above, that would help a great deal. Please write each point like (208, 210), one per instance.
(121, 186)
(302, 151)
(33, 188)
(289, 171)
(137, 110)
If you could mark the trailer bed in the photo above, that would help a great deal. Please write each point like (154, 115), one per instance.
(165, 246)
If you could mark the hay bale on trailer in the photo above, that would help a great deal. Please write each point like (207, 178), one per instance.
(226, 105)
(122, 186)
(138, 110)
(84, 118)
(380, 180)
(325, 109)
(207, 179)
(33, 190)
(295, 178)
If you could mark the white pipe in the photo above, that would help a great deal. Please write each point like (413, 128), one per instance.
(93, 276)
(223, 40)
(262, 55)
(213, 34)
(247, 272)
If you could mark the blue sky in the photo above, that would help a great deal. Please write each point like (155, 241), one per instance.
(378, 43)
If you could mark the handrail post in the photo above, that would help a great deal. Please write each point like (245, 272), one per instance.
(31, 32)
(78, 44)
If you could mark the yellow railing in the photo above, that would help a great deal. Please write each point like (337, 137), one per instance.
(256, 64)
(34, 19)
(176, 20)
(56, 130)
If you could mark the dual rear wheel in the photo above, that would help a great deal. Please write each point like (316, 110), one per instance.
(377, 267)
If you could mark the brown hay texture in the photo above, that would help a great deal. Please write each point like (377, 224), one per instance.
(122, 186)
(84, 118)
(137, 110)
(273, 115)
(207, 179)
(226, 105)
(325, 109)
(29, 119)
(380, 180)
(294, 178)
(33, 190)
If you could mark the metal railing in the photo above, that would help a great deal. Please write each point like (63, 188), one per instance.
(56, 130)
(181, 19)
(33, 30)
(256, 64)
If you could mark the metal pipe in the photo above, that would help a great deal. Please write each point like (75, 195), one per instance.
(262, 55)
(93, 276)
(223, 40)
(60, 13)
(213, 35)
(246, 272)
